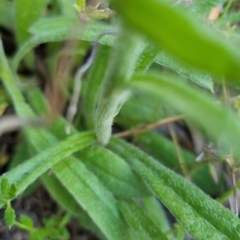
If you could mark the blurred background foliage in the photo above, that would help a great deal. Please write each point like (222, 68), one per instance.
(163, 76)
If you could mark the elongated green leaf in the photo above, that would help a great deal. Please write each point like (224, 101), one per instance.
(201, 78)
(121, 67)
(144, 108)
(60, 29)
(164, 150)
(155, 209)
(27, 12)
(220, 124)
(115, 174)
(67, 202)
(142, 225)
(151, 54)
(26, 173)
(203, 217)
(89, 193)
(94, 82)
(93, 197)
(146, 58)
(8, 80)
(181, 35)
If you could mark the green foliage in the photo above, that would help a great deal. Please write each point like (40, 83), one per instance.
(191, 36)
(193, 209)
(145, 56)
(141, 224)
(25, 220)
(8, 191)
(26, 14)
(9, 215)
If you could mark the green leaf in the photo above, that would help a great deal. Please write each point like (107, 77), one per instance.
(121, 67)
(27, 12)
(201, 216)
(146, 58)
(164, 151)
(41, 139)
(144, 108)
(199, 77)
(183, 35)
(27, 221)
(9, 215)
(158, 215)
(93, 84)
(151, 54)
(67, 175)
(5, 186)
(60, 29)
(142, 225)
(26, 173)
(114, 173)
(93, 197)
(72, 171)
(12, 191)
(38, 234)
(67, 202)
(220, 124)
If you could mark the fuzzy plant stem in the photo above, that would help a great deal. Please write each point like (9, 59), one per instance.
(122, 63)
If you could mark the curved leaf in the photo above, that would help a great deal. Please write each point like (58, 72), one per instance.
(158, 214)
(60, 29)
(66, 201)
(199, 77)
(140, 222)
(26, 173)
(94, 81)
(121, 68)
(203, 217)
(93, 197)
(219, 123)
(182, 36)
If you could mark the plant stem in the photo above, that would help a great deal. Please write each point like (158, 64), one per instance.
(121, 67)
(22, 226)
(226, 8)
